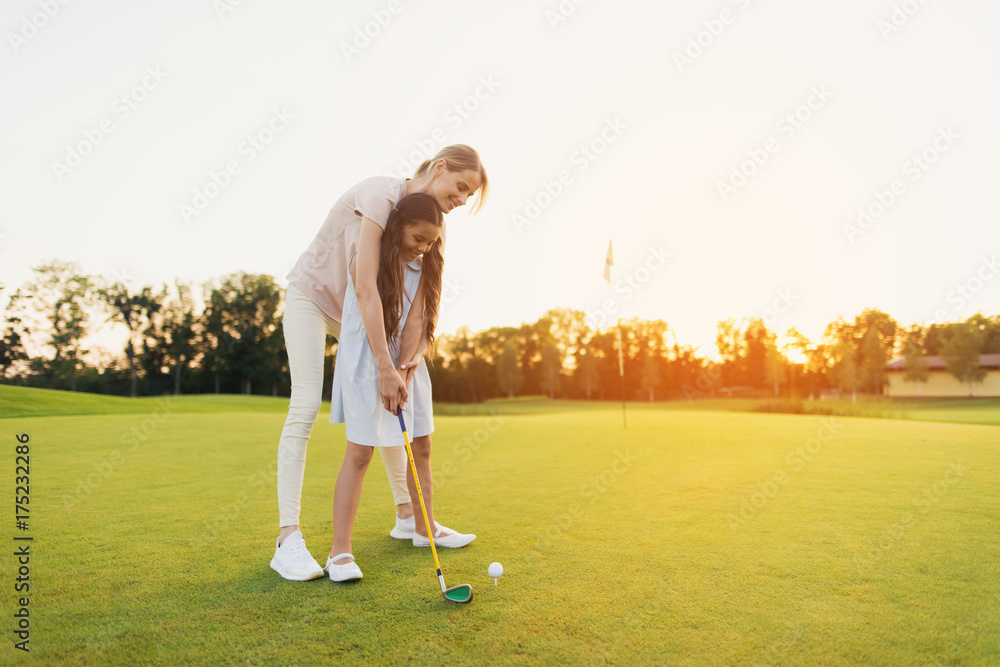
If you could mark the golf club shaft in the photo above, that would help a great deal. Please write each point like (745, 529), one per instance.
(420, 497)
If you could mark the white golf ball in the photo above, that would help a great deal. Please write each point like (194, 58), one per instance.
(496, 570)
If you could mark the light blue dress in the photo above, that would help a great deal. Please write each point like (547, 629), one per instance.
(355, 398)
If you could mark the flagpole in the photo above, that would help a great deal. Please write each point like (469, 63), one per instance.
(621, 372)
(609, 261)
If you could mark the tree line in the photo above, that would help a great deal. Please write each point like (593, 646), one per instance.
(228, 341)
(226, 338)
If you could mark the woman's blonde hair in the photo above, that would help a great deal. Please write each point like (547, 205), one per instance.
(459, 157)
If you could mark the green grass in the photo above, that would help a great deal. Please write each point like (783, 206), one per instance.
(694, 537)
(25, 402)
(974, 411)
(28, 402)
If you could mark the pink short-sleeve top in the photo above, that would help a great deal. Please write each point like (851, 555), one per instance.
(321, 272)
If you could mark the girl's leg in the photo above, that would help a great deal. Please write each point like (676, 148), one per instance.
(305, 327)
(422, 458)
(347, 496)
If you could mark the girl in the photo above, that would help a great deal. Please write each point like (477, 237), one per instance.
(313, 309)
(410, 256)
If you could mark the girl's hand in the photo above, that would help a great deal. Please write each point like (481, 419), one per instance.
(364, 272)
(391, 389)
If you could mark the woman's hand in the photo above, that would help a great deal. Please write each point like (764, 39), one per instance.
(392, 388)
(410, 367)
(413, 342)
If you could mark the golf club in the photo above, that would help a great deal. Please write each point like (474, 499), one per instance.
(462, 592)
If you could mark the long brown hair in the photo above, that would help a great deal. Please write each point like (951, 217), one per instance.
(459, 157)
(411, 210)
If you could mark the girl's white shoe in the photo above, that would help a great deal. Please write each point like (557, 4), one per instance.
(346, 572)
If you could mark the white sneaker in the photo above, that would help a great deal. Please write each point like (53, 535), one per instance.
(452, 541)
(346, 572)
(405, 528)
(293, 561)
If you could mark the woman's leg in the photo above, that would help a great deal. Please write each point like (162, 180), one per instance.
(396, 467)
(347, 496)
(305, 328)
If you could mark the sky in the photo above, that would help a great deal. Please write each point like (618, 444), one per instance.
(786, 160)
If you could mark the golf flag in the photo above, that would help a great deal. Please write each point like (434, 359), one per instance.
(608, 263)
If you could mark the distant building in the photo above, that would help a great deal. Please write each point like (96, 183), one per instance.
(939, 381)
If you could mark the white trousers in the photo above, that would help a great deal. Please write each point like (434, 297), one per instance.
(305, 328)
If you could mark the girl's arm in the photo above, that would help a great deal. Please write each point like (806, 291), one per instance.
(364, 272)
(413, 341)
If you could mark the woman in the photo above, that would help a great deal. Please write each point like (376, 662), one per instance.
(314, 307)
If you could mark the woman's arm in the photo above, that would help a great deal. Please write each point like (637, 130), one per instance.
(413, 340)
(364, 271)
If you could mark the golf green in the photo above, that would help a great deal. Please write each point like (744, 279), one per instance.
(693, 537)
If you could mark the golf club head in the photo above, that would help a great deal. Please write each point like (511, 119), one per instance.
(462, 593)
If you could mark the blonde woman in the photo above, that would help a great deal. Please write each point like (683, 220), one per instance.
(314, 304)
